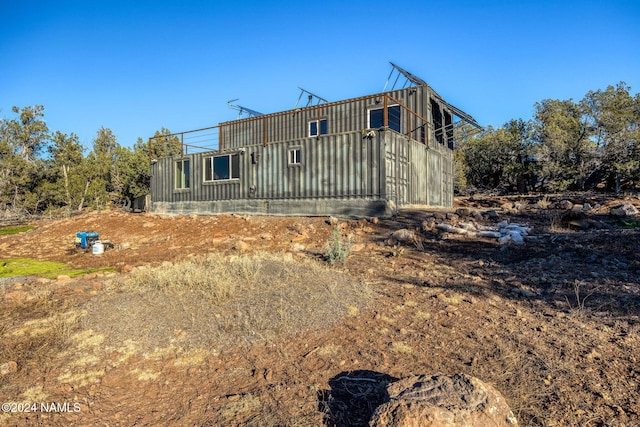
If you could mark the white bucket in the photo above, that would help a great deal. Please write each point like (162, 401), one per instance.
(98, 248)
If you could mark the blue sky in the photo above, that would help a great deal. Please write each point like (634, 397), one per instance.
(136, 66)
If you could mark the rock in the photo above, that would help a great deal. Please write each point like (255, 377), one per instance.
(428, 224)
(374, 220)
(451, 229)
(492, 214)
(297, 247)
(8, 368)
(463, 212)
(489, 233)
(440, 400)
(240, 246)
(358, 247)
(623, 210)
(586, 207)
(577, 209)
(503, 240)
(403, 235)
(452, 217)
(580, 224)
(565, 204)
(332, 220)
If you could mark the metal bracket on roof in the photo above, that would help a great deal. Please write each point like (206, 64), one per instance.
(310, 97)
(243, 110)
(410, 78)
(417, 81)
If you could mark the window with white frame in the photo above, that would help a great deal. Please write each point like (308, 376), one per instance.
(318, 127)
(376, 117)
(220, 168)
(182, 174)
(295, 156)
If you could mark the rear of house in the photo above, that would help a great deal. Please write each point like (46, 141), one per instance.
(365, 156)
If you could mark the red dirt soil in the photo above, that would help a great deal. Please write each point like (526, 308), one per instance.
(552, 324)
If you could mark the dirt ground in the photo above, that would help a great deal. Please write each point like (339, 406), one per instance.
(553, 324)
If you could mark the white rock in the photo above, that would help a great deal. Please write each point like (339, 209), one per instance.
(490, 233)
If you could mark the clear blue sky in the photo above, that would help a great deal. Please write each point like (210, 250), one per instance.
(135, 66)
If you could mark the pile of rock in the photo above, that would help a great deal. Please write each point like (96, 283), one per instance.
(624, 210)
(504, 232)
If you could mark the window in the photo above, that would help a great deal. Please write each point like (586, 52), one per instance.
(436, 117)
(313, 127)
(448, 127)
(218, 168)
(295, 156)
(182, 174)
(376, 117)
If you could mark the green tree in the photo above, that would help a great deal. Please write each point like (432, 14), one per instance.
(69, 176)
(565, 152)
(104, 179)
(614, 117)
(133, 166)
(21, 140)
(499, 157)
(162, 144)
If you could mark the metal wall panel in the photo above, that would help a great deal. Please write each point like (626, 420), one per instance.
(342, 117)
(333, 166)
(341, 165)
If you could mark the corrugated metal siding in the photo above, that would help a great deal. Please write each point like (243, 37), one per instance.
(332, 166)
(342, 117)
(341, 164)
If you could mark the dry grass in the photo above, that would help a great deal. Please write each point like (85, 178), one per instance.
(34, 330)
(215, 303)
(543, 203)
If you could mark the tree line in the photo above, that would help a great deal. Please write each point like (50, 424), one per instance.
(566, 146)
(48, 172)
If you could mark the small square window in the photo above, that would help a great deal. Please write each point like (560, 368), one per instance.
(313, 127)
(295, 156)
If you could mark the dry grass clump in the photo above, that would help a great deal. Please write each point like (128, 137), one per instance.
(217, 302)
(33, 330)
(212, 277)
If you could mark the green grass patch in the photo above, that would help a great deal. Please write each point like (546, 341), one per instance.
(32, 267)
(629, 223)
(15, 230)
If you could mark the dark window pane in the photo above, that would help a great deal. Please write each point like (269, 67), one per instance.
(208, 169)
(235, 166)
(376, 118)
(187, 184)
(394, 117)
(323, 127)
(313, 128)
(221, 167)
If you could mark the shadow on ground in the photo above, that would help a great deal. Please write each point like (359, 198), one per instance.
(353, 397)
